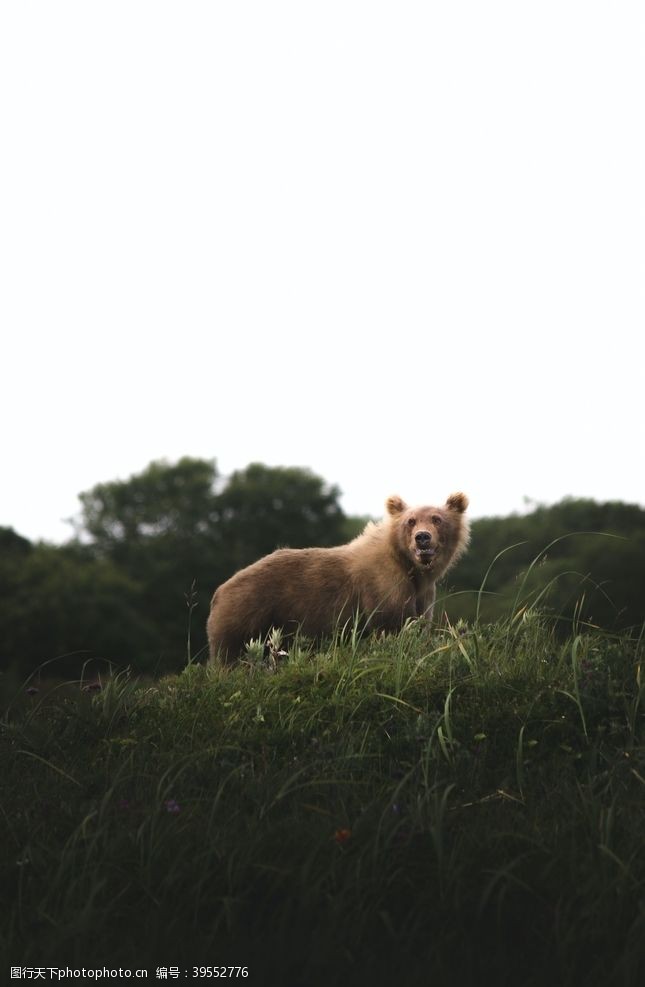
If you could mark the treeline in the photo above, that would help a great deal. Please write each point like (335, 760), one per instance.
(133, 585)
(581, 561)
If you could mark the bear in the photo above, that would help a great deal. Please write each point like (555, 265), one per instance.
(386, 575)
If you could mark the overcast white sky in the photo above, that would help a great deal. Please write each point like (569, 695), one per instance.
(401, 243)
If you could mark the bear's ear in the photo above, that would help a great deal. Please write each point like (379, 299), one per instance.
(457, 502)
(395, 506)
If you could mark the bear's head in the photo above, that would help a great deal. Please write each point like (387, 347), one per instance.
(430, 539)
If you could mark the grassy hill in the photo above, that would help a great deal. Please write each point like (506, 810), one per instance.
(463, 808)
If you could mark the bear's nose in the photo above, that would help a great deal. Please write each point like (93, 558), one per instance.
(423, 539)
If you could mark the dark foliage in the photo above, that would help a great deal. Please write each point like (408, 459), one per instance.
(578, 559)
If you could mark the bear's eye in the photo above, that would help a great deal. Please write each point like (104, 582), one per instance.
(436, 519)
(411, 522)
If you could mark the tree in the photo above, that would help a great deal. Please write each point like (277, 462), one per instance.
(12, 545)
(64, 608)
(166, 500)
(176, 538)
(160, 527)
(263, 508)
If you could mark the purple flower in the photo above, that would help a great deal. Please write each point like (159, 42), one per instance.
(32, 691)
(172, 806)
(123, 804)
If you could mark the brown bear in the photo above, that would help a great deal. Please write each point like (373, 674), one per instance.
(387, 574)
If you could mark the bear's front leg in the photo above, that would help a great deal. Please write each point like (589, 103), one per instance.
(425, 604)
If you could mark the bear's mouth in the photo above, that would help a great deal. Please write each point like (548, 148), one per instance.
(425, 555)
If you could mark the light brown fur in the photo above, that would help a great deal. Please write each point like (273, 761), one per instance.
(387, 574)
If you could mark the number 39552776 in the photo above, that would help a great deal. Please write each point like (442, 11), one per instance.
(220, 971)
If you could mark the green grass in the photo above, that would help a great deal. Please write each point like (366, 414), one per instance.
(464, 808)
